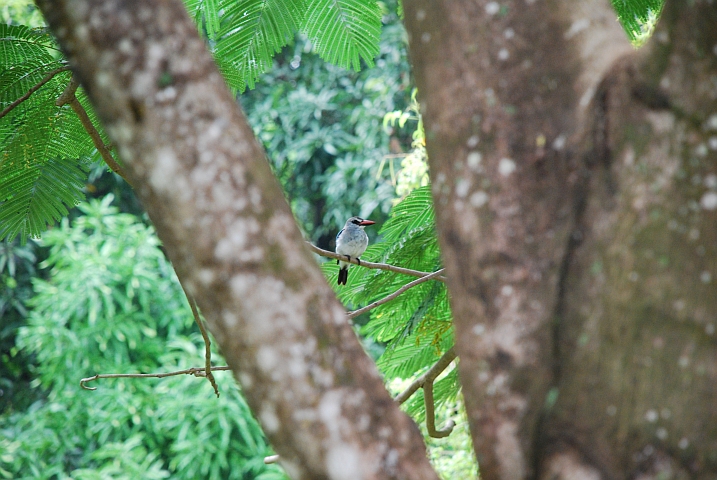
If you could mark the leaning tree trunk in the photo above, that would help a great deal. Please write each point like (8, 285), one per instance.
(228, 230)
(575, 185)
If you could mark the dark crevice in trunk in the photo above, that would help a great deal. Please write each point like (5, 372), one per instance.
(596, 160)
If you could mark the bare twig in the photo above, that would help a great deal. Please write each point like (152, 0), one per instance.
(431, 414)
(426, 382)
(68, 97)
(379, 266)
(205, 336)
(395, 294)
(32, 90)
(430, 375)
(196, 371)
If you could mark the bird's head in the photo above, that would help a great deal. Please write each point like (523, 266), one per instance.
(360, 222)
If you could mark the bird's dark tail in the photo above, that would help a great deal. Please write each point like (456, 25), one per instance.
(343, 275)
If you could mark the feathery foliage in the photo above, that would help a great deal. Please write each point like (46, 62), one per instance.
(343, 31)
(246, 34)
(41, 171)
(638, 18)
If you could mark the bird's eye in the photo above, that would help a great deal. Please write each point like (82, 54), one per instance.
(357, 222)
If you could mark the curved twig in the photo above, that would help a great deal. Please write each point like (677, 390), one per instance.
(429, 376)
(395, 294)
(379, 266)
(431, 414)
(196, 371)
(425, 381)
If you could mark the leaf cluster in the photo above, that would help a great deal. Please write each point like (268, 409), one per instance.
(246, 34)
(40, 175)
(112, 304)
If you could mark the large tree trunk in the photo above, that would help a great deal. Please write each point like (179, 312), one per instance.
(575, 184)
(229, 232)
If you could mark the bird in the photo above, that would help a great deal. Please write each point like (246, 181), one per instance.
(351, 242)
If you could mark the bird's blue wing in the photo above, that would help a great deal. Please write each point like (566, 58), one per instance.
(339, 234)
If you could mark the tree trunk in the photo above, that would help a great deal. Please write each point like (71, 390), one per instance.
(575, 185)
(225, 225)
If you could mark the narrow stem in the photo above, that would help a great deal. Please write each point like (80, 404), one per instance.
(205, 336)
(395, 294)
(196, 371)
(68, 97)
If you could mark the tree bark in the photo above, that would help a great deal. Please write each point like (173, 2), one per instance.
(576, 198)
(222, 217)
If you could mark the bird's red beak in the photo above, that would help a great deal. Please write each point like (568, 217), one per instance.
(366, 222)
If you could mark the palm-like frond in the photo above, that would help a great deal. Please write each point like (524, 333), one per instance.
(250, 33)
(40, 170)
(638, 18)
(246, 34)
(37, 193)
(344, 31)
(19, 42)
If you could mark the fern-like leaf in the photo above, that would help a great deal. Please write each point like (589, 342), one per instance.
(251, 32)
(344, 31)
(36, 194)
(41, 170)
(638, 18)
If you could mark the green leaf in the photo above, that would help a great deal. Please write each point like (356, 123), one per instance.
(344, 32)
(638, 18)
(37, 194)
(251, 32)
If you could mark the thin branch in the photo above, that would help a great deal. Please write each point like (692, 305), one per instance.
(429, 376)
(426, 381)
(32, 90)
(68, 97)
(196, 371)
(431, 414)
(395, 294)
(379, 266)
(205, 336)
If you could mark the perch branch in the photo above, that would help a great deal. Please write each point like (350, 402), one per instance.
(196, 371)
(32, 90)
(395, 294)
(68, 97)
(379, 266)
